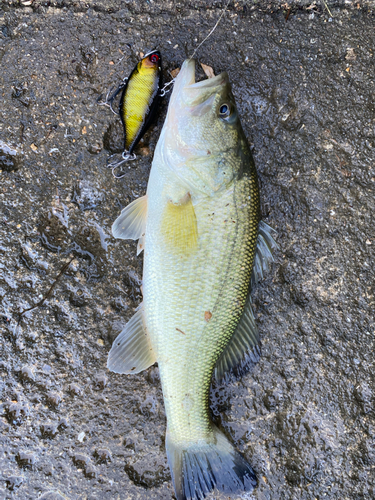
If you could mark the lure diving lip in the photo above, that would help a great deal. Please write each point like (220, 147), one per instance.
(139, 99)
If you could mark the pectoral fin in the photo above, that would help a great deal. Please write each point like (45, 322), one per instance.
(132, 351)
(179, 226)
(243, 349)
(131, 224)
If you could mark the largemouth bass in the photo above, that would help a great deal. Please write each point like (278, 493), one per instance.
(204, 245)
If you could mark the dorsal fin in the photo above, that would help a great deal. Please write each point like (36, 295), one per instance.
(243, 349)
(263, 254)
(131, 224)
(131, 351)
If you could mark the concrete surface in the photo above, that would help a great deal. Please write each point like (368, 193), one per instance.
(304, 417)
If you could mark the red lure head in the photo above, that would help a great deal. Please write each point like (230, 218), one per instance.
(154, 58)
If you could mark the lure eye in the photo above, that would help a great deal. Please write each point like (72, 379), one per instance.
(224, 111)
(154, 58)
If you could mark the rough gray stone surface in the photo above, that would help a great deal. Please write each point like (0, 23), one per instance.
(304, 87)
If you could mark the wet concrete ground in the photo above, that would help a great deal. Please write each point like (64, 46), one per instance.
(304, 417)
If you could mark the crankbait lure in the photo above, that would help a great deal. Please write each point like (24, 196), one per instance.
(141, 93)
(140, 98)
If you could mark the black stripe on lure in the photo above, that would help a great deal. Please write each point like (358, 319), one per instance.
(141, 93)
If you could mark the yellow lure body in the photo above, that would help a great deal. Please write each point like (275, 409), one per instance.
(139, 99)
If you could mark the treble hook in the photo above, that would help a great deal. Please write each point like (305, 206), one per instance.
(109, 99)
(163, 92)
(125, 158)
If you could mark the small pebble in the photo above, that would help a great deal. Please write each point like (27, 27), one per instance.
(26, 458)
(81, 436)
(14, 482)
(27, 373)
(101, 380)
(75, 390)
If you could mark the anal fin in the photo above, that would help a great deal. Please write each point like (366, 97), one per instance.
(131, 351)
(131, 224)
(243, 349)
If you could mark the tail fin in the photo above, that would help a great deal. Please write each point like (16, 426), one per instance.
(199, 467)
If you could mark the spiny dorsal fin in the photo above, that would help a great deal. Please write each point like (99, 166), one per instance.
(179, 226)
(243, 349)
(131, 224)
(131, 351)
(263, 254)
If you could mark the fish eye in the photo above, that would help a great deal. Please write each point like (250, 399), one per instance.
(224, 111)
(154, 58)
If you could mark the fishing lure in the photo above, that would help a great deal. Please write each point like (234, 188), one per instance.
(140, 98)
(141, 93)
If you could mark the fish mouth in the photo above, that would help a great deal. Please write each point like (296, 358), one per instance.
(190, 102)
(208, 83)
(186, 83)
(191, 99)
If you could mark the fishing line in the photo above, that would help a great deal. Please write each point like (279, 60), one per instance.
(163, 91)
(213, 29)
